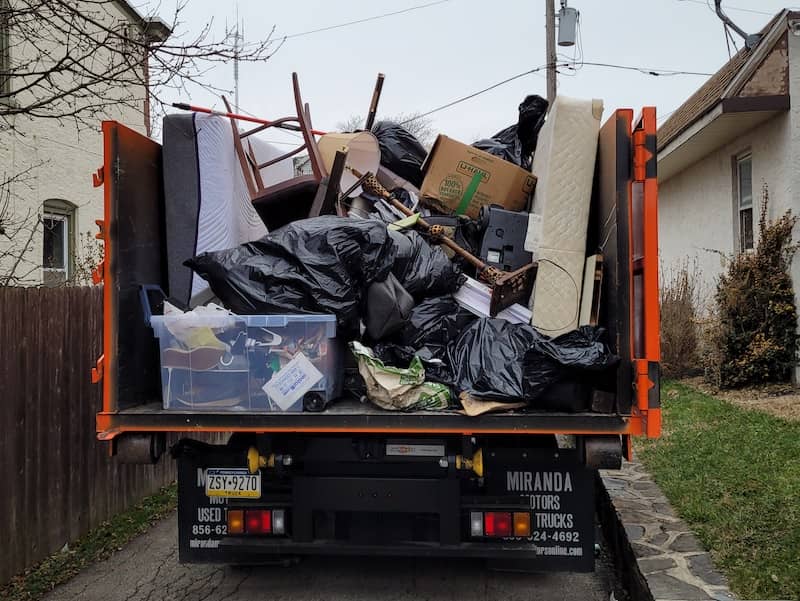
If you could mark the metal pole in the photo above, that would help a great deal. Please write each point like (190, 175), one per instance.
(550, 33)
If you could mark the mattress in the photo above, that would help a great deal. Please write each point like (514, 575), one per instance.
(207, 206)
(564, 165)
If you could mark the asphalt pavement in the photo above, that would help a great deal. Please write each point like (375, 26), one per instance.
(147, 569)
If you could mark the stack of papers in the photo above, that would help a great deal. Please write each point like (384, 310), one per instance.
(475, 297)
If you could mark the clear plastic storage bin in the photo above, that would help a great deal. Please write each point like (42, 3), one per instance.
(259, 363)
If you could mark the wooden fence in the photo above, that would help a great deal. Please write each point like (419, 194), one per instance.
(57, 480)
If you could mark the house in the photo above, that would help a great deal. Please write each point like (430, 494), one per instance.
(735, 138)
(49, 207)
(302, 165)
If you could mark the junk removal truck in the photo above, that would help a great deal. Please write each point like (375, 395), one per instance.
(361, 346)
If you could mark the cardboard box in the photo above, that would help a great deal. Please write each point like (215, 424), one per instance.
(450, 168)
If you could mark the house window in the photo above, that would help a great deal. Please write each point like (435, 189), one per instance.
(58, 225)
(744, 201)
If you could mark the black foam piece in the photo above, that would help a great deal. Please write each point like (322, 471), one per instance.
(181, 200)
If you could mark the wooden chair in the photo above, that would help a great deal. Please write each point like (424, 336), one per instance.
(292, 199)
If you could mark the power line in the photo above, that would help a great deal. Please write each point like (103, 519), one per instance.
(364, 20)
(644, 70)
(744, 10)
(478, 93)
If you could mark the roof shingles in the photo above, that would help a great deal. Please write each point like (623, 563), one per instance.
(708, 95)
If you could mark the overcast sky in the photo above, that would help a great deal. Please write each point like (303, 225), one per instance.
(439, 53)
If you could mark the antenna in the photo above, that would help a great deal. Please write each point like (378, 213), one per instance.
(238, 37)
(749, 40)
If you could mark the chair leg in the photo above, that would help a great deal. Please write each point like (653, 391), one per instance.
(328, 191)
(373, 105)
(254, 165)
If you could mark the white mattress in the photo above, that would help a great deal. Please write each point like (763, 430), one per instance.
(564, 165)
(226, 217)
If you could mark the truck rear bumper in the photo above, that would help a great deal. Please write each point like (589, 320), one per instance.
(243, 550)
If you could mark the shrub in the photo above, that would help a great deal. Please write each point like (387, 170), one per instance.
(756, 331)
(679, 333)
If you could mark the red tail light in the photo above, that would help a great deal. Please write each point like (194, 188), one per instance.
(497, 523)
(258, 521)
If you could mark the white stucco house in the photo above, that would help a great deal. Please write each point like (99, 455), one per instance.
(51, 161)
(739, 133)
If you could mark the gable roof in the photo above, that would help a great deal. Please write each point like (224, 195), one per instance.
(713, 90)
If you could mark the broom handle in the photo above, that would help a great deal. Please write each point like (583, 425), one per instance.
(476, 262)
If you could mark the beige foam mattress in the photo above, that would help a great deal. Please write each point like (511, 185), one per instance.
(564, 165)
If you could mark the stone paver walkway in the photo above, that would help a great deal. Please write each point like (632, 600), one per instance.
(672, 563)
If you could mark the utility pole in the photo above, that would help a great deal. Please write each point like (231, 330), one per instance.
(550, 33)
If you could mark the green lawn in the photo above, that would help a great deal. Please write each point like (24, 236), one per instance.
(94, 546)
(734, 476)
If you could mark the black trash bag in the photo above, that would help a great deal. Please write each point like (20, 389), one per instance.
(517, 143)
(405, 198)
(424, 270)
(387, 307)
(487, 359)
(507, 362)
(433, 323)
(578, 355)
(466, 232)
(401, 152)
(384, 212)
(436, 369)
(319, 265)
(432, 326)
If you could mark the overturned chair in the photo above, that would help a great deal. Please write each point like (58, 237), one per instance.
(292, 199)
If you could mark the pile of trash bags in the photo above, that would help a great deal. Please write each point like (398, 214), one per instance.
(325, 265)
(333, 264)
(391, 288)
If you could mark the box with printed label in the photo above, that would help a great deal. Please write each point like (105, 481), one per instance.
(462, 179)
(258, 363)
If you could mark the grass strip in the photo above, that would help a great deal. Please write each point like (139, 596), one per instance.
(96, 545)
(734, 475)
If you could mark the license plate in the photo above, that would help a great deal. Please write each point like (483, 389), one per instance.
(232, 482)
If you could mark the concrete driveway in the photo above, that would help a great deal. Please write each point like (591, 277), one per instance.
(148, 570)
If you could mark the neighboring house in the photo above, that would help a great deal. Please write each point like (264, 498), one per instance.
(739, 133)
(57, 157)
(302, 165)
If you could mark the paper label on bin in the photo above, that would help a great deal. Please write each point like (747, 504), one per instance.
(294, 379)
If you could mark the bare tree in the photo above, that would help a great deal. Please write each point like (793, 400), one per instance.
(418, 126)
(74, 58)
(17, 233)
(74, 62)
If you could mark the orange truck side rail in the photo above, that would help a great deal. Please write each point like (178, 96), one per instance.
(647, 339)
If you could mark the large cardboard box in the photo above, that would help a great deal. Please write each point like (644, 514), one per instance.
(450, 169)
